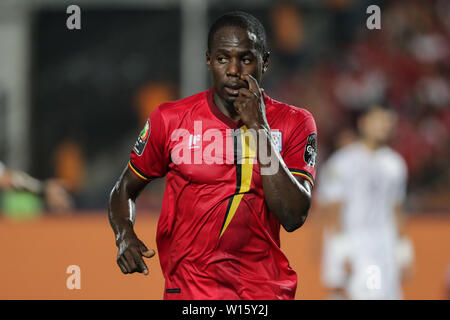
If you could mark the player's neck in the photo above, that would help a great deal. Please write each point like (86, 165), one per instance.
(372, 145)
(226, 108)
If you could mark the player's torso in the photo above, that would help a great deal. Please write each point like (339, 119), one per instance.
(372, 180)
(214, 205)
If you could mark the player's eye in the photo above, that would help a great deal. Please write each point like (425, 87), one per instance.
(222, 59)
(246, 60)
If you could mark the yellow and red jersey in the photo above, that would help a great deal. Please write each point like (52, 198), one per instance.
(216, 237)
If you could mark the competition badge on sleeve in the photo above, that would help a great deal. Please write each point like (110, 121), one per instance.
(311, 150)
(139, 146)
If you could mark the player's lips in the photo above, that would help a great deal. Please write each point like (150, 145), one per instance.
(233, 89)
(231, 92)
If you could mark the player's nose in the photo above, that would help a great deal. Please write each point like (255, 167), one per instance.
(233, 69)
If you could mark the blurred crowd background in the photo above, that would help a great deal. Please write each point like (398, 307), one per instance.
(72, 102)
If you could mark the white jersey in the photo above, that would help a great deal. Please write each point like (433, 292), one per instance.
(368, 184)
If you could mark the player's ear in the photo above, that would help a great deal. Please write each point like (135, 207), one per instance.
(208, 59)
(266, 61)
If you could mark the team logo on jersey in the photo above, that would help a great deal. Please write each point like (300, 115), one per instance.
(141, 142)
(311, 150)
(276, 135)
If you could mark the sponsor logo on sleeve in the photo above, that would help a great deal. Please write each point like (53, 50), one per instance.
(311, 150)
(141, 142)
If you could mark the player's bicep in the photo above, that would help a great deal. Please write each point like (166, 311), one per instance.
(129, 185)
(132, 183)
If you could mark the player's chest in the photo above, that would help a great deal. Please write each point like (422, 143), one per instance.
(373, 176)
(210, 155)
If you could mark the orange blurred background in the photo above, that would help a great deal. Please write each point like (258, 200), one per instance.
(36, 254)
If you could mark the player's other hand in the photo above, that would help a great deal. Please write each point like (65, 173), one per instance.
(131, 251)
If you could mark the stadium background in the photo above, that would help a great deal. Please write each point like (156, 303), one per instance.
(72, 103)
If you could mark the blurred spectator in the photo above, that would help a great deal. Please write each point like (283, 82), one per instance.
(151, 95)
(55, 196)
(69, 165)
(288, 28)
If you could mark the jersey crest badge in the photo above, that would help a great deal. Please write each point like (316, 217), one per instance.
(276, 136)
(141, 142)
(311, 150)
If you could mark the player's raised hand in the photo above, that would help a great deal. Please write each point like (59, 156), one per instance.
(250, 104)
(131, 251)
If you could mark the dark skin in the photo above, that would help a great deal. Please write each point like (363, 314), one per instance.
(236, 67)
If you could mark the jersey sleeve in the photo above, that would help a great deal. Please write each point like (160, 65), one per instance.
(301, 149)
(149, 157)
(401, 183)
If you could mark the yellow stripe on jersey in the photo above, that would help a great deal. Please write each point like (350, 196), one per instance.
(136, 171)
(304, 176)
(248, 147)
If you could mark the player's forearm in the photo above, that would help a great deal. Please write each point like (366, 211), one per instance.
(400, 220)
(285, 197)
(21, 181)
(121, 211)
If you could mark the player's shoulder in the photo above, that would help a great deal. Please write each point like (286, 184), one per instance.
(394, 158)
(286, 112)
(178, 107)
(346, 154)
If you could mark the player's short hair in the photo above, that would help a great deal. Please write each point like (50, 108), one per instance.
(374, 107)
(243, 20)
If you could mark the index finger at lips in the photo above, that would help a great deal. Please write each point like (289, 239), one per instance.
(248, 93)
(252, 82)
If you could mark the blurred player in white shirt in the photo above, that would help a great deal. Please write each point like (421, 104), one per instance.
(361, 190)
(56, 198)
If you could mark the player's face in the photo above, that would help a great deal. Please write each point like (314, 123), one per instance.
(378, 125)
(233, 53)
